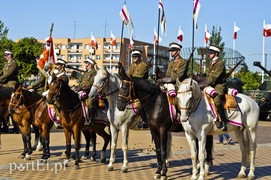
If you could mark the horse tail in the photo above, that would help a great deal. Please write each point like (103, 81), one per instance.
(169, 143)
(209, 150)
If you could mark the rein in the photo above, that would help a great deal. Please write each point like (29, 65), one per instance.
(194, 105)
(100, 89)
(34, 105)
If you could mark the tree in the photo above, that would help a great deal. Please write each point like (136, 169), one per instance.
(5, 43)
(251, 80)
(26, 51)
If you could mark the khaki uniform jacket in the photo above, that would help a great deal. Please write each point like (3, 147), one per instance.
(39, 84)
(9, 73)
(139, 70)
(217, 75)
(86, 81)
(176, 69)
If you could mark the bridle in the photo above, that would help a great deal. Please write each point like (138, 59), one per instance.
(194, 105)
(21, 101)
(101, 88)
(55, 95)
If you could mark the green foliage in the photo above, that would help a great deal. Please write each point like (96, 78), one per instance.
(251, 80)
(26, 51)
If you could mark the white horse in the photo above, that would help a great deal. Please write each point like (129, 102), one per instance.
(108, 84)
(198, 121)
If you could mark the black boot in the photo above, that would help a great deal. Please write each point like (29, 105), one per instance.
(143, 123)
(223, 123)
(91, 115)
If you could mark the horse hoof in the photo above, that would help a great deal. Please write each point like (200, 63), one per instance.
(103, 160)
(110, 168)
(21, 156)
(241, 176)
(163, 178)
(27, 157)
(250, 178)
(124, 170)
(76, 167)
(66, 162)
(83, 158)
(157, 176)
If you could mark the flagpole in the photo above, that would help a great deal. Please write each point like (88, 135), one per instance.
(193, 32)
(233, 47)
(154, 56)
(157, 45)
(121, 37)
(263, 58)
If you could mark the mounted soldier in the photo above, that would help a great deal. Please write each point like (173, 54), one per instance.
(216, 79)
(84, 84)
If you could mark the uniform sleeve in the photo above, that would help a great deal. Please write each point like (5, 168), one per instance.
(213, 76)
(12, 68)
(39, 81)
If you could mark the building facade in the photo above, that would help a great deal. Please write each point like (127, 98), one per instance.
(75, 51)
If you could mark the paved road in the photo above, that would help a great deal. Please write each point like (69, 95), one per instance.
(142, 160)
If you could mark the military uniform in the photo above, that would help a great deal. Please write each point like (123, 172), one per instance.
(39, 85)
(139, 70)
(61, 74)
(86, 81)
(9, 73)
(176, 68)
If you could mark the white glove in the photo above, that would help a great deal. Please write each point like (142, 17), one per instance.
(45, 93)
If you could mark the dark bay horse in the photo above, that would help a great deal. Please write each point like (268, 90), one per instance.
(155, 104)
(72, 119)
(30, 108)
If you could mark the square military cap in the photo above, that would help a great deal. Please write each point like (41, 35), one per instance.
(136, 52)
(89, 61)
(214, 48)
(174, 46)
(61, 61)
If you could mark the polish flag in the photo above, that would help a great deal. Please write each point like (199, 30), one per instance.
(156, 39)
(207, 35)
(267, 30)
(93, 42)
(131, 41)
(113, 40)
(180, 35)
(235, 30)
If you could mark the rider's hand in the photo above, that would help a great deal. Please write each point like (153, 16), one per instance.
(29, 87)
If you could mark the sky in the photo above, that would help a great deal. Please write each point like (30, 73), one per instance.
(33, 18)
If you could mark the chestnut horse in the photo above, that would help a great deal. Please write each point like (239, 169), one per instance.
(72, 119)
(31, 108)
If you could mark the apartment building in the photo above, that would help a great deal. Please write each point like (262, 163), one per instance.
(75, 51)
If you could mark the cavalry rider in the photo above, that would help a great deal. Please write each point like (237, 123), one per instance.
(85, 83)
(139, 69)
(9, 73)
(60, 71)
(216, 78)
(39, 84)
(177, 67)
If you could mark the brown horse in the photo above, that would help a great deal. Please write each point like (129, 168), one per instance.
(31, 108)
(72, 119)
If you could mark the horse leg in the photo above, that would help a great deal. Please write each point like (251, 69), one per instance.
(68, 146)
(114, 138)
(240, 138)
(22, 156)
(29, 147)
(76, 138)
(93, 139)
(86, 134)
(156, 138)
(193, 150)
(45, 135)
(201, 156)
(37, 139)
(106, 137)
(125, 136)
(251, 150)
(164, 139)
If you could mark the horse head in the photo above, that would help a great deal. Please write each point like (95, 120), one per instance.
(54, 91)
(100, 83)
(17, 98)
(188, 97)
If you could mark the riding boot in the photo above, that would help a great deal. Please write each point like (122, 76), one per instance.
(223, 118)
(91, 115)
(143, 124)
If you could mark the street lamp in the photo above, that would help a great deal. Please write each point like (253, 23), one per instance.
(264, 61)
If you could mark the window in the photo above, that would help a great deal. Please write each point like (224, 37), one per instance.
(98, 57)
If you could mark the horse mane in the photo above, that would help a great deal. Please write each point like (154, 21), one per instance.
(143, 84)
(67, 88)
(5, 91)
